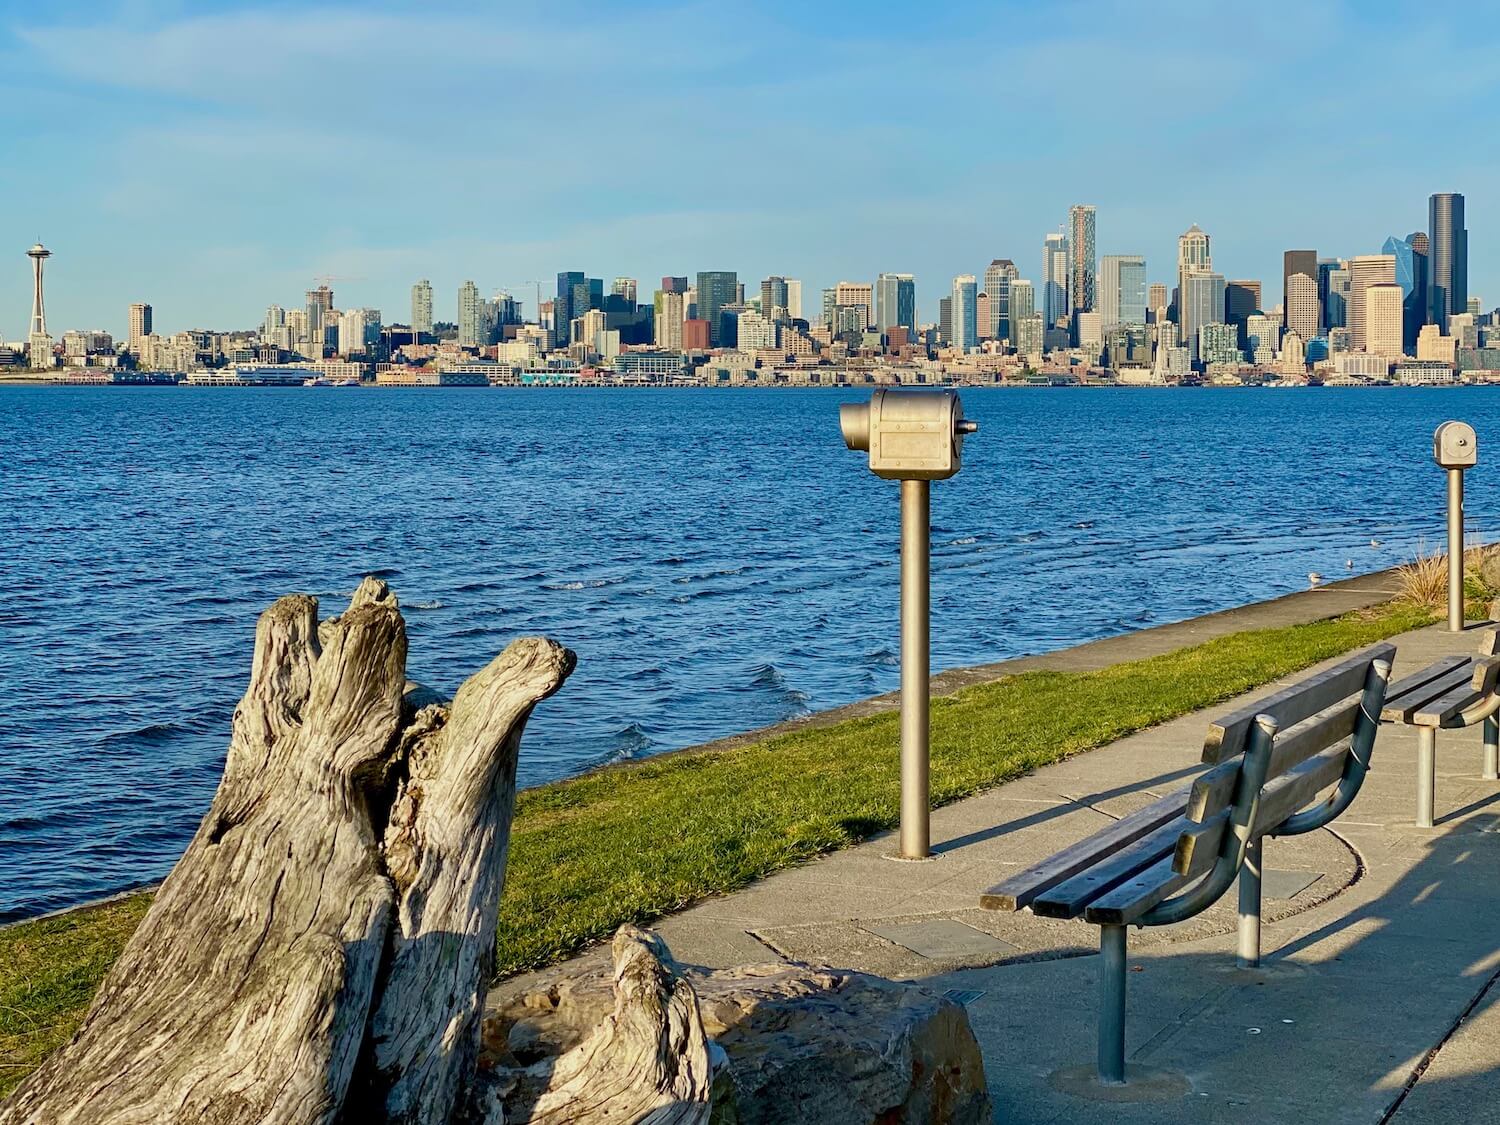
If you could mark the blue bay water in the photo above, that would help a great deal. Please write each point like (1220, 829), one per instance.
(717, 559)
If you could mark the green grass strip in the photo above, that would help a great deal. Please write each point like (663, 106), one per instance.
(633, 842)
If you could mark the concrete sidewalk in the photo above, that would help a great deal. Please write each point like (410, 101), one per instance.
(1381, 942)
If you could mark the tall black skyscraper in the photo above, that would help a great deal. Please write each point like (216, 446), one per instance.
(716, 288)
(1447, 257)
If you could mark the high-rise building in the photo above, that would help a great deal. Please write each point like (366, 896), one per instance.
(1030, 335)
(670, 308)
(695, 336)
(1158, 299)
(468, 315)
(1383, 318)
(624, 287)
(1192, 255)
(1122, 290)
(1202, 303)
(896, 302)
(1055, 308)
(1333, 293)
(945, 319)
(965, 312)
(1022, 305)
(716, 288)
(674, 284)
(856, 295)
(1300, 308)
(318, 308)
(1410, 254)
(1262, 338)
(793, 298)
(139, 327)
(1448, 258)
(421, 309)
(1241, 299)
(1218, 343)
(1366, 270)
(1083, 266)
(359, 331)
(1297, 261)
(997, 278)
(773, 298)
(564, 311)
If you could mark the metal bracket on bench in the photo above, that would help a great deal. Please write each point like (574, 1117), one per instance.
(1238, 833)
(1356, 765)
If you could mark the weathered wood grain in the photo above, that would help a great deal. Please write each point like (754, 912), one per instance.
(322, 947)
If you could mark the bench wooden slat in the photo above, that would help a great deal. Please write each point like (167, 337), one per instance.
(1404, 699)
(1020, 889)
(1198, 840)
(1133, 898)
(1226, 736)
(1486, 675)
(1068, 899)
(1213, 790)
(1295, 789)
(1437, 712)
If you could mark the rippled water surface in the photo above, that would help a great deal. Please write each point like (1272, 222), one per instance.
(718, 560)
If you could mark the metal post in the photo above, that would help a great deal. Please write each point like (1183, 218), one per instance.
(1112, 1005)
(1455, 550)
(915, 521)
(1426, 774)
(1492, 749)
(1249, 947)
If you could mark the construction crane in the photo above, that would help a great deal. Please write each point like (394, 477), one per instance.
(538, 284)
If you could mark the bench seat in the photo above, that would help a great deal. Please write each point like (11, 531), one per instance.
(1170, 860)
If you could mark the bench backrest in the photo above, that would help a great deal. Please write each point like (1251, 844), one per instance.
(1123, 871)
(1315, 720)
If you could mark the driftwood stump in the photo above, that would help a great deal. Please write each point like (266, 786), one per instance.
(321, 950)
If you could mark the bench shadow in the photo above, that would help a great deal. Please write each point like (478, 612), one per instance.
(1066, 806)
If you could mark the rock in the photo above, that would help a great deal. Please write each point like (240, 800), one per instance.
(803, 1044)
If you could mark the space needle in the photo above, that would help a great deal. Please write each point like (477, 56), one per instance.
(38, 343)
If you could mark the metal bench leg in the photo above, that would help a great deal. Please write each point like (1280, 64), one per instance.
(1112, 1005)
(1426, 774)
(1492, 749)
(1249, 947)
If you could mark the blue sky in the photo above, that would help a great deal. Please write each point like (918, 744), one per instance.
(213, 158)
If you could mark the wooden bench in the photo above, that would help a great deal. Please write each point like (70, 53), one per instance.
(1177, 856)
(1457, 691)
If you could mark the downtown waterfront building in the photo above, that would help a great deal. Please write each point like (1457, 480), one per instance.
(896, 302)
(1055, 307)
(716, 288)
(1083, 263)
(421, 309)
(469, 316)
(1383, 317)
(1410, 254)
(1365, 270)
(1122, 290)
(997, 278)
(964, 312)
(1448, 258)
(1192, 255)
(139, 327)
(1202, 303)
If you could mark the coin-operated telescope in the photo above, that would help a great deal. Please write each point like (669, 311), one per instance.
(915, 437)
(1456, 449)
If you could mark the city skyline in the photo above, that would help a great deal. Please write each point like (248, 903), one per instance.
(194, 177)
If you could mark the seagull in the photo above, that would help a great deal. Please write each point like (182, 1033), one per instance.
(1374, 542)
(1348, 564)
(1314, 577)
